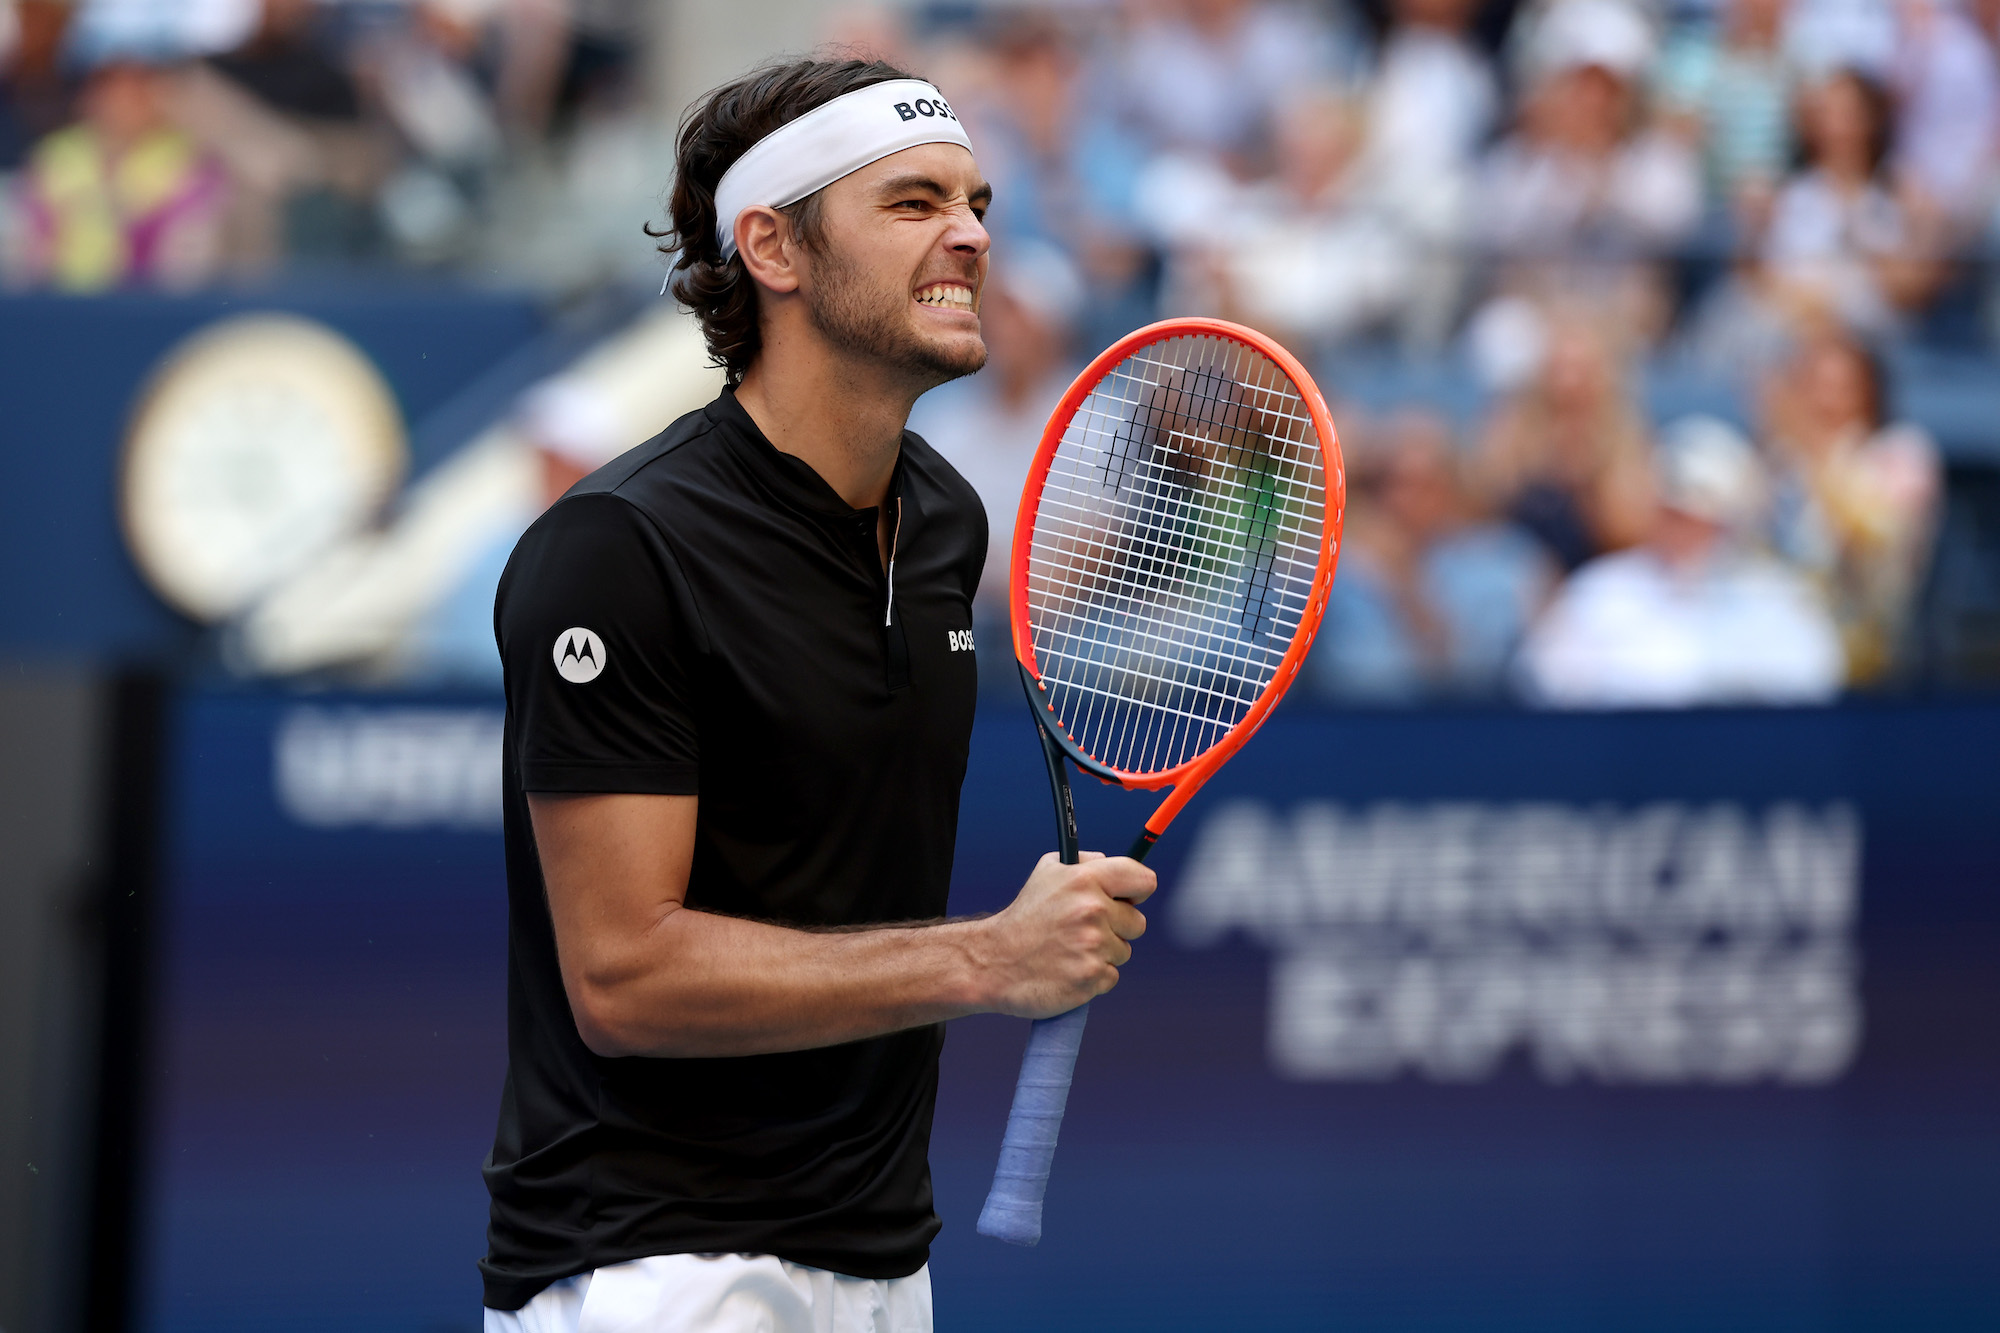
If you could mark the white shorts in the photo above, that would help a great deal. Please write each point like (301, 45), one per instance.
(722, 1293)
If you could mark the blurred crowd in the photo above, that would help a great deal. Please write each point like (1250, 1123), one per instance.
(1550, 195)
(1571, 553)
(176, 143)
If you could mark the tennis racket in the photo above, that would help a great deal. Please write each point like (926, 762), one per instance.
(1172, 556)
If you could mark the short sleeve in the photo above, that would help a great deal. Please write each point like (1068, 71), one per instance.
(601, 645)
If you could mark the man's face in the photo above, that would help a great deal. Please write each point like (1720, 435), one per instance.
(899, 275)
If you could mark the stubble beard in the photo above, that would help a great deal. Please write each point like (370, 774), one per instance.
(872, 321)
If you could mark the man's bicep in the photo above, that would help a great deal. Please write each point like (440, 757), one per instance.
(615, 866)
(623, 856)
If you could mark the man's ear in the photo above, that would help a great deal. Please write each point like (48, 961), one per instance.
(771, 255)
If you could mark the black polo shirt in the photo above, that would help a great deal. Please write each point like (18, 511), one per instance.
(706, 616)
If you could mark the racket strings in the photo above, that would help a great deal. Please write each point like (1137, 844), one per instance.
(1173, 551)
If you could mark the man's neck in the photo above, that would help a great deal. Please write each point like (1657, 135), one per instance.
(844, 418)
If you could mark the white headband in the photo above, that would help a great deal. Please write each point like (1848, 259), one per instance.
(829, 142)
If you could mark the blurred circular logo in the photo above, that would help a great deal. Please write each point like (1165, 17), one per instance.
(259, 442)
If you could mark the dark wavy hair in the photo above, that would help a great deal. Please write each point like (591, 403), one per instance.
(718, 129)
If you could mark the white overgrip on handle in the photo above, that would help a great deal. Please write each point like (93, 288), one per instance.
(1013, 1210)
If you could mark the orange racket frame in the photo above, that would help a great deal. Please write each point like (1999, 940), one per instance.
(1186, 778)
(1013, 1209)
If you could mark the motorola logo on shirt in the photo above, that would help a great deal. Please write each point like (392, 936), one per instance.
(579, 656)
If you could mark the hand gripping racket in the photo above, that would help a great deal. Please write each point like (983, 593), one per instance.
(1172, 556)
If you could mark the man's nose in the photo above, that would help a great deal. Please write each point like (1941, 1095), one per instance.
(967, 235)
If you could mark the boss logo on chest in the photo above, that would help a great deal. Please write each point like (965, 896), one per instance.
(961, 640)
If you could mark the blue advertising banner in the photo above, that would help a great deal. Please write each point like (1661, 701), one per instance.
(1453, 1021)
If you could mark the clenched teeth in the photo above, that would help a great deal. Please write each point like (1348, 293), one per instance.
(946, 296)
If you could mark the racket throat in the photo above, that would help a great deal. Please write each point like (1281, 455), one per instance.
(1053, 756)
(1065, 801)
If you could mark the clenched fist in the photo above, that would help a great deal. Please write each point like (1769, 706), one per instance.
(1061, 941)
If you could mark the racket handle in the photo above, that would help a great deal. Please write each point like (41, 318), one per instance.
(1013, 1210)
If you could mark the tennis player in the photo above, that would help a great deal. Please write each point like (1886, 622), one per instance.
(740, 688)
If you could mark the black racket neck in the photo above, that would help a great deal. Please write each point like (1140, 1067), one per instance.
(1065, 803)
(1054, 756)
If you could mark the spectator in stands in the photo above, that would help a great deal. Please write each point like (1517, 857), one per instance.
(1312, 253)
(1841, 246)
(1433, 597)
(561, 212)
(1584, 173)
(283, 113)
(533, 60)
(1432, 100)
(1696, 615)
(1948, 117)
(122, 197)
(1565, 455)
(420, 72)
(1206, 75)
(1857, 498)
(1733, 85)
(1840, 240)
(1063, 167)
(599, 49)
(1432, 97)
(287, 65)
(1357, 225)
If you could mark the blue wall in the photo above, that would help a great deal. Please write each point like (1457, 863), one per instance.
(332, 1044)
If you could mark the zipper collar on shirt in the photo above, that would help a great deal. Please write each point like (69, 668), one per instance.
(895, 535)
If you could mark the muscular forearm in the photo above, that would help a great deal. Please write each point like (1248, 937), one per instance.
(647, 975)
(698, 984)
